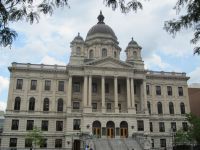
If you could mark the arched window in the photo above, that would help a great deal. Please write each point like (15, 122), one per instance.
(17, 103)
(60, 104)
(182, 107)
(46, 104)
(149, 107)
(91, 54)
(31, 104)
(115, 54)
(171, 108)
(134, 54)
(78, 51)
(104, 52)
(159, 106)
(96, 129)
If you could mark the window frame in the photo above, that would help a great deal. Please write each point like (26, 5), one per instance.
(19, 84)
(29, 125)
(33, 85)
(47, 85)
(15, 124)
(45, 125)
(61, 86)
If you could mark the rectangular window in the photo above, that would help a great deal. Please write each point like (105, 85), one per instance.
(169, 90)
(108, 106)
(173, 126)
(13, 142)
(152, 143)
(59, 125)
(45, 124)
(120, 107)
(162, 142)
(140, 125)
(106, 88)
(158, 90)
(76, 87)
(94, 87)
(30, 124)
(61, 85)
(151, 126)
(28, 143)
(148, 89)
(161, 127)
(44, 144)
(19, 84)
(76, 105)
(185, 126)
(47, 86)
(76, 124)
(58, 143)
(119, 89)
(180, 91)
(33, 84)
(94, 106)
(15, 124)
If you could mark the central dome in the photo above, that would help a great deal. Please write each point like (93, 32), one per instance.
(101, 30)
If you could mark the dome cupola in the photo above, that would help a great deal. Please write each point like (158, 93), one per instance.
(101, 30)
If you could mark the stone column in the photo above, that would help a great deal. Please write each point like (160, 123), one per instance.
(132, 94)
(144, 97)
(69, 105)
(85, 92)
(128, 93)
(116, 95)
(132, 110)
(103, 93)
(90, 92)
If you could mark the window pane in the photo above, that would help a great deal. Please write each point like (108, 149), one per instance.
(45, 124)
(61, 86)
(158, 90)
(59, 125)
(30, 124)
(58, 143)
(15, 124)
(47, 85)
(76, 105)
(94, 87)
(140, 124)
(13, 142)
(76, 87)
(76, 124)
(33, 84)
(19, 84)
(180, 91)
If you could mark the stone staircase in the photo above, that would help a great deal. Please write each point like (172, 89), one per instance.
(115, 144)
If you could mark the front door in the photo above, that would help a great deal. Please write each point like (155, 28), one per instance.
(77, 145)
(97, 132)
(110, 132)
(123, 132)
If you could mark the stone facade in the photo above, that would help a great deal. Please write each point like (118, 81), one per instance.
(97, 95)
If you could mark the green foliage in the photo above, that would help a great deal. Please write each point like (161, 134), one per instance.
(192, 134)
(28, 10)
(191, 19)
(36, 137)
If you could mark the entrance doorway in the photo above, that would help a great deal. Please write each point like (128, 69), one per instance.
(123, 129)
(96, 129)
(77, 145)
(110, 129)
(110, 132)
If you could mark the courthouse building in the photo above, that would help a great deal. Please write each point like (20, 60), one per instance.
(96, 100)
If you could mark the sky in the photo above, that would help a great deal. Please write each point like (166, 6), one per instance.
(48, 41)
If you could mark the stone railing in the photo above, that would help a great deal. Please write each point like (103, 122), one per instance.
(182, 74)
(37, 66)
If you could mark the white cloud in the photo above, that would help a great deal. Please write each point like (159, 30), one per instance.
(51, 61)
(195, 76)
(155, 61)
(4, 82)
(2, 105)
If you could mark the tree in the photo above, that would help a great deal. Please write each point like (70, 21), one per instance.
(36, 137)
(17, 10)
(189, 20)
(193, 132)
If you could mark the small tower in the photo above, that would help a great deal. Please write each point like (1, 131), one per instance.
(133, 54)
(77, 51)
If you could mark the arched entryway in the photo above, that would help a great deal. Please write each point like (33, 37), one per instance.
(96, 129)
(123, 129)
(110, 127)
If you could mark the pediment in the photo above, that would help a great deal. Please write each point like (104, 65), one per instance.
(109, 62)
